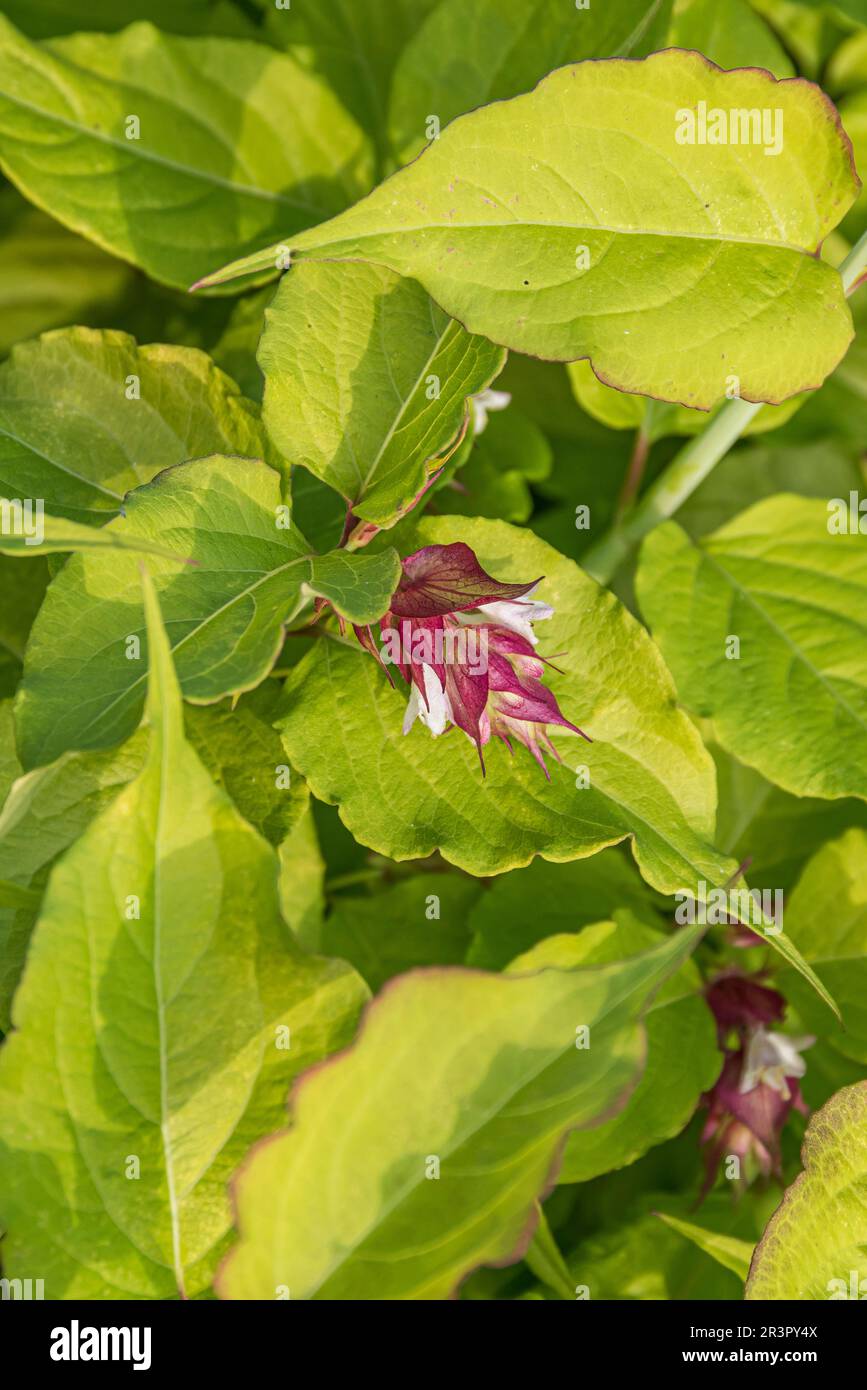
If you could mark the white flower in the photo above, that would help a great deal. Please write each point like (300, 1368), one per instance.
(771, 1057)
(485, 401)
(517, 614)
(438, 712)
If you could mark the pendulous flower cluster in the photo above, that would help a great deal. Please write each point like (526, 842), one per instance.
(464, 642)
(758, 1086)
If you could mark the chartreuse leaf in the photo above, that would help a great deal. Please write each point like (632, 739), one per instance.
(48, 276)
(650, 777)
(25, 530)
(46, 812)
(511, 220)
(683, 1059)
(729, 1251)
(499, 48)
(794, 595)
(84, 678)
(458, 1094)
(826, 917)
(366, 382)
(86, 416)
(218, 158)
(163, 1013)
(815, 1245)
(49, 808)
(656, 419)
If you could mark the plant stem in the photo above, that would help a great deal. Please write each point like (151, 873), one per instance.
(637, 464)
(679, 480)
(694, 461)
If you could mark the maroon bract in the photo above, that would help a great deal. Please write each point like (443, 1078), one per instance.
(464, 642)
(758, 1086)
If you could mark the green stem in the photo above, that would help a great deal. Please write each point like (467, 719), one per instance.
(694, 462)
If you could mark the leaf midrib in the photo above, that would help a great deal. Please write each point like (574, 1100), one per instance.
(133, 149)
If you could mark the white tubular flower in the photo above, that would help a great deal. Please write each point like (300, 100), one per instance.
(485, 401)
(770, 1059)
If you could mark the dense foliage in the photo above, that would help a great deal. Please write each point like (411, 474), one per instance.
(433, 600)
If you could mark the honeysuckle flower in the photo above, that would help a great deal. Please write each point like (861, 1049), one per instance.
(485, 401)
(773, 1059)
(740, 1003)
(464, 642)
(746, 1124)
(758, 1086)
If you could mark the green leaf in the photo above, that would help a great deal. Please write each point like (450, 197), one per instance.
(406, 796)
(730, 33)
(421, 921)
(683, 1059)
(502, 462)
(639, 1259)
(44, 18)
(13, 896)
(153, 1034)
(728, 1251)
(794, 594)
(494, 218)
(302, 880)
(220, 158)
(86, 416)
(46, 812)
(359, 585)
(366, 382)
(10, 767)
(225, 613)
(622, 411)
(775, 831)
(479, 1072)
(243, 753)
(523, 907)
(48, 277)
(826, 917)
(814, 1246)
(25, 531)
(544, 1258)
(22, 589)
(354, 48)
(497, 49)
(821, 469)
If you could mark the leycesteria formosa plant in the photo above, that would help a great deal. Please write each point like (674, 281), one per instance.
(433, 656)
